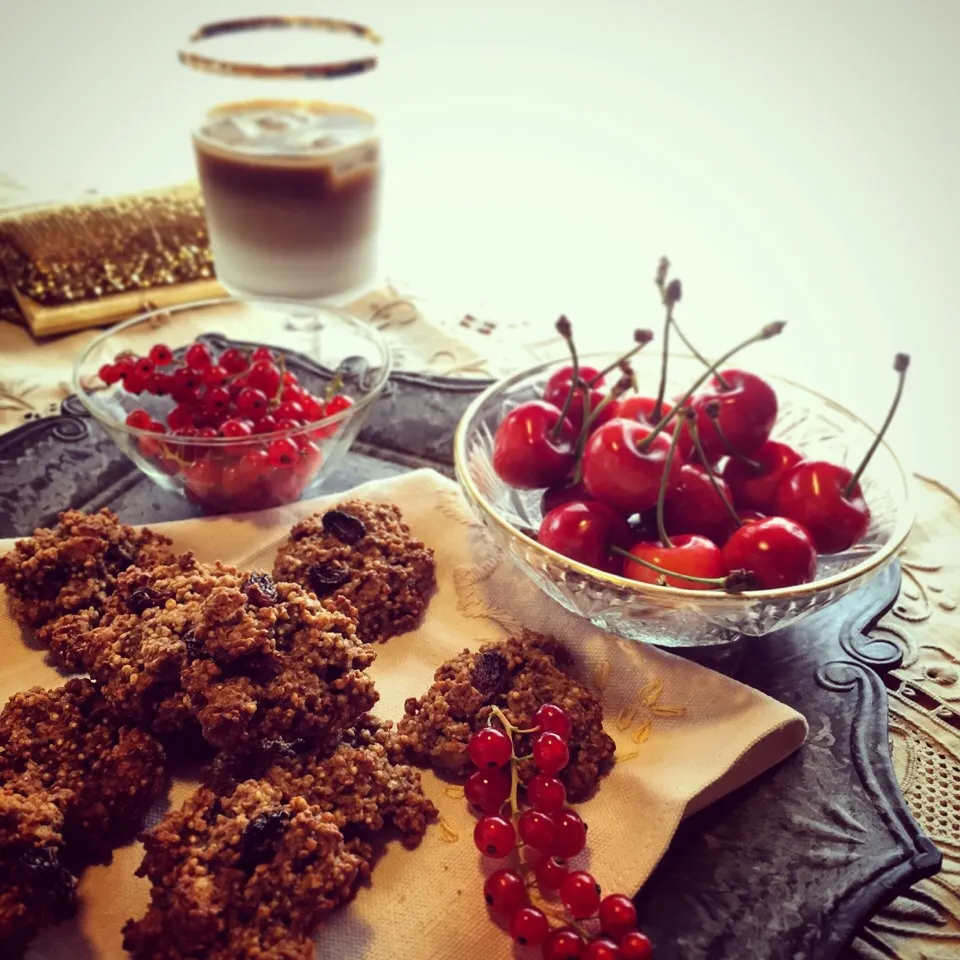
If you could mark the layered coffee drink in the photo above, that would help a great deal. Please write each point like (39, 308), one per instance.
(292, 194)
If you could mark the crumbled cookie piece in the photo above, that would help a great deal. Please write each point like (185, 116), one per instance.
(73, 567)
(101, 775)
(249, 874)
(356, 780)
(517, 675)
(366, 553)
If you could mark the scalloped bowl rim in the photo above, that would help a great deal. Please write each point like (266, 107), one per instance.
(111, 423)
(898, 536)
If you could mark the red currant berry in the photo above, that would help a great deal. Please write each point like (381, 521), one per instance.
(265, 424)
(536, 829)
(135, 382)
(252, 402)
(546, 793)
(201, 478)
(161, 355)
(602, 949)
(290, 410)
(618, 915)
(139, 419)
(550, 752)
(264, 376)
(144, 366)
(207, 433)
(553, 719)
(487, 789)
(495, 836)
(283, 452)
(198, 356)
(216, 400)
(490, 747)
(550, 872)
(185, 386)
(159, 384)
(504, 891)
(233, 360)
(215, 375)
(338, 404)
(109, 374)
(529, 927)
(563, 944)
(635, 946)
(289, 379)
(256, 463)
(571, 834)
(310, 455)
(235, 428)
(262, 353)
(580, 894)
(123, 365)
(179, 418)
(313, 409)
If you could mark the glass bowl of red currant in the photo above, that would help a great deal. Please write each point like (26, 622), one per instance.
(237, 404)
(683, 503)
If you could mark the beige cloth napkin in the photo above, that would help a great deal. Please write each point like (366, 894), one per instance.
(685, 736)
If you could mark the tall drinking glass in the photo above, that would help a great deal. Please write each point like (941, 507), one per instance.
(288, 154)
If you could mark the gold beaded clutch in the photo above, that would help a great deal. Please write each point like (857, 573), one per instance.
(88, 264)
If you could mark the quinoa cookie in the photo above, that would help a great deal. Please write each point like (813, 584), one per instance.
(517, 675)
(365, 552)
(74, 566)
(246, 875)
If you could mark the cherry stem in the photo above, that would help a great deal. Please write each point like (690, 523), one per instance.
(590, 417)
(701, 453)
(733, 582)
(712, 410)
(698, 354)
(769, 331)
(662, 389)
(662, 493)
(565, 331)
(901, 363)
(642, 338)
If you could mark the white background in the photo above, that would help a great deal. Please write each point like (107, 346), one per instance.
(796, 160)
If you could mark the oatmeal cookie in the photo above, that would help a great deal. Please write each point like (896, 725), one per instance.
(101, 775)
(73, 567)
(517, 675)
(245, 875)
(366, 553)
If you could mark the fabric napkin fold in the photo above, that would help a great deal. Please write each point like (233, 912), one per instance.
(685, 737)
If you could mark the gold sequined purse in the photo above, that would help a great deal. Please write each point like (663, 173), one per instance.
(94, 263)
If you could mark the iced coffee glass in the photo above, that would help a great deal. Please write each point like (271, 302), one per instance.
(288, 154)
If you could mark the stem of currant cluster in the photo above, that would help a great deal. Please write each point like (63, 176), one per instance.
(565, 330)
(768, 332)
(695, 434)
(511, 731)
(662, 493)
(901, 364)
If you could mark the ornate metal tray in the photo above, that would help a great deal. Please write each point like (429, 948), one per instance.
(787, 867)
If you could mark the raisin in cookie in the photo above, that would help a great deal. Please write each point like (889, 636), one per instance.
(517, 675)
(249, 874)
(366, 553)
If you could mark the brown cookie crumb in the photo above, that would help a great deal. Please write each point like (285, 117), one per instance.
(364, 552)
(517, 675)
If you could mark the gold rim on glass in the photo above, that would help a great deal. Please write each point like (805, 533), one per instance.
(263, 71)
(896, 540)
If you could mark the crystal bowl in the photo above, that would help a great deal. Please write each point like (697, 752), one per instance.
(670, 616)
(320, 345)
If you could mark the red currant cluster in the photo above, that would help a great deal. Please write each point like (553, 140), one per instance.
(248, 397)
(587, 926)
(689, 494)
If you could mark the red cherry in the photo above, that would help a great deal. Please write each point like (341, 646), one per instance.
(139, 419)
(550, 752)
(487, 789)
(693, 506)
(571, 834)
(557, 395)
(584, 531)
(563, 944)
(494, 836)
(778, 552)
(550, 872)
(564, 376)
(748, 411)
(526, 453)
(504, 892)
(618, 915)
(546, 793)
(529, 926)
(602, 948)
(580, 894)
(198, 356)
(754, 485)
(235, 428)
(814, 494)
(623, 468)
(283, 452)
(641, 410)
(233, 360)
(536, 830)
(551, 718)
(690, 554)
(490, 747)
(635, 946)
